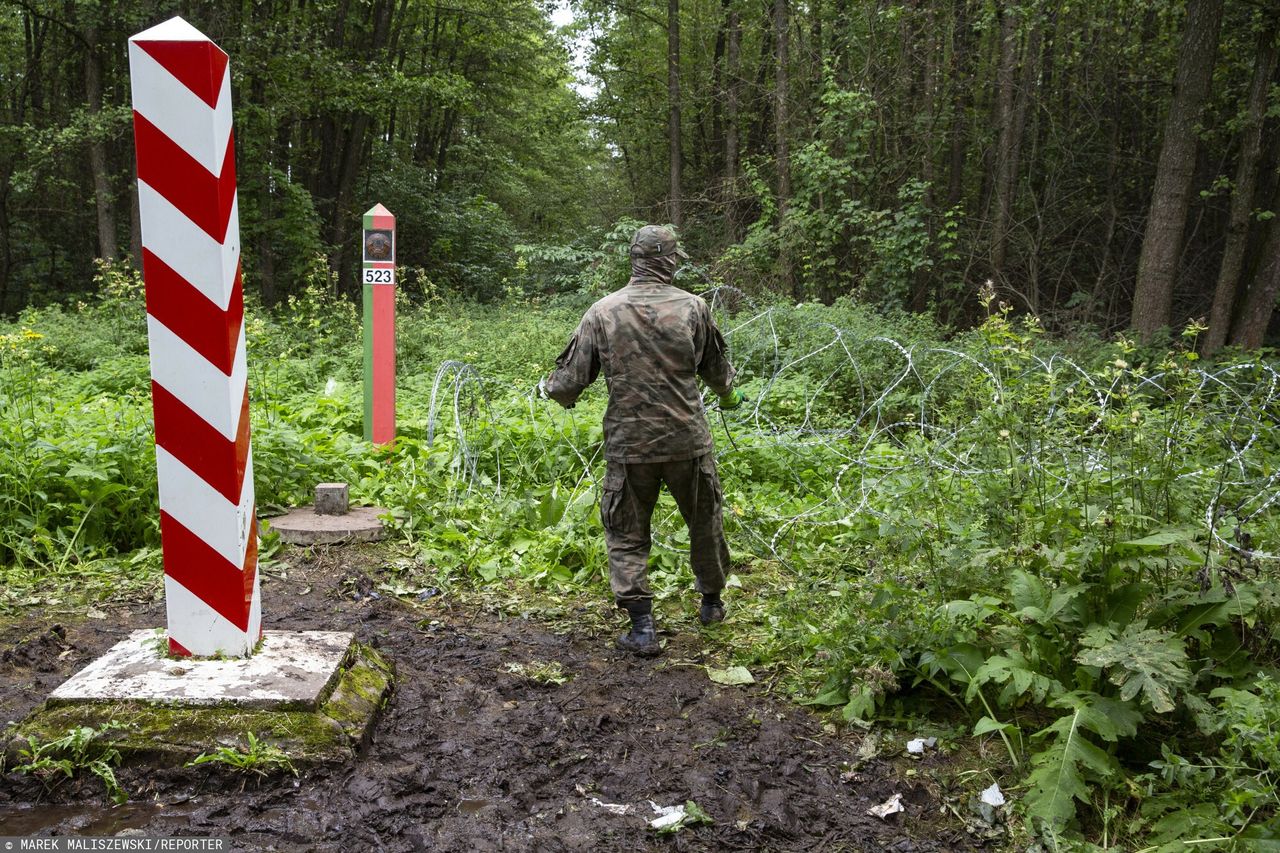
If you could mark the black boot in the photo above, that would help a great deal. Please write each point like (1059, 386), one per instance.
(712, 609)
(642, 639)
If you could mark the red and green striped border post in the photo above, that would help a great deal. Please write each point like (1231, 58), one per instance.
(379, 276)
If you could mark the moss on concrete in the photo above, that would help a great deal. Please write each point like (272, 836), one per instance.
(358, 697)
(169, 734)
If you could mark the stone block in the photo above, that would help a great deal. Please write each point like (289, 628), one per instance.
(332, 499)
(304, 526)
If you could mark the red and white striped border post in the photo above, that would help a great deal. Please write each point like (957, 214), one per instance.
(195, 326)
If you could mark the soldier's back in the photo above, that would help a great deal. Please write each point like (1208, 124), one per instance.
(650, 339)
(647, 328)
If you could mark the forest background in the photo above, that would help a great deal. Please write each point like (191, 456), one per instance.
(1112, 164)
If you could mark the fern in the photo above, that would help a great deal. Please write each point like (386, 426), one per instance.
(82, 747)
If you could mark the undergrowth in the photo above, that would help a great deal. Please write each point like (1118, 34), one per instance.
(80, 748)
(1072, 557)
(257, 758)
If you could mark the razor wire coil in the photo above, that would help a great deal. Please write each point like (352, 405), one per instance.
(1064, 445)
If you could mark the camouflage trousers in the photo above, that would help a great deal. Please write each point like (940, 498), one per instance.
(630, 493)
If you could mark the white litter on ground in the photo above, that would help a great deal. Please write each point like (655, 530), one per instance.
(614, 808)
(893, 805)
(993, 796)
(666, 815)
(918, 745)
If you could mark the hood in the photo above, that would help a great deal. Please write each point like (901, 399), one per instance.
(654, 270)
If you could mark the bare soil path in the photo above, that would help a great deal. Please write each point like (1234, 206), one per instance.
(472, 756)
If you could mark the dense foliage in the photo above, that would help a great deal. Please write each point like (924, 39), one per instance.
(1069, 553)
(908, 152)
(1106, 163)
(457, 116)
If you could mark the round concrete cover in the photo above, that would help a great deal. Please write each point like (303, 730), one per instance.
(303, 526)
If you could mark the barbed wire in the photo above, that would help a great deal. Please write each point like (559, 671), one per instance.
(893, 418)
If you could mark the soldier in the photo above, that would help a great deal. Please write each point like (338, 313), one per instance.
(652, 340)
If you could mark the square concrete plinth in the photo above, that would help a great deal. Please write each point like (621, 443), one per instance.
(291, 670)
(162, 711)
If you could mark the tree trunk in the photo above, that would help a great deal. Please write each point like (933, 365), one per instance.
(781, 118)
(1171, 198)
(1008, 190)
(673, 104)
(732, 89)
(33, 44)
(135, 225)
(1007, 141)
(1224, 295)
(931, 41)
(1260, 299)
(442, 149)
(781, 33)
(103, 202)
(962, 93)
(758, 132)
(817, 53)
(349, 163)
(266, 256)
(1113, 209)
(6, 250)
(716, 148)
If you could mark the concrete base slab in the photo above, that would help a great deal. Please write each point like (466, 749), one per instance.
(304, 526)
(291, 669)
(172, 733)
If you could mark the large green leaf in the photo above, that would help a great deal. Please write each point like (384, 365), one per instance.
(830, 697)
(986, 725)
(1027, 591)
(1140, 660)
(979, 608)
(1260, 838)
(1019, 677)
(1186, 824)
(1120, 604)
(1062, 772)
(1107, 718)
(1122, 718)
(960, 662)
(1187, 614)
(1160, 539)
(861, 704)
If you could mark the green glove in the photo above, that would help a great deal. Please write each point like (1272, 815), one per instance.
(732, 400)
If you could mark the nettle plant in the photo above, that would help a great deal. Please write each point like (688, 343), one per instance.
(1085, 645)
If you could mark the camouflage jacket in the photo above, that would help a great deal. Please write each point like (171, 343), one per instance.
(652, 341)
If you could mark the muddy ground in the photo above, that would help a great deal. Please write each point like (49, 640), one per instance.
(471, 756)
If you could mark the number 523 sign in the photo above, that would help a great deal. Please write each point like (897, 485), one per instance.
(379, 276)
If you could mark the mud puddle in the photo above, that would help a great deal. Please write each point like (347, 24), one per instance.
(84, 819)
